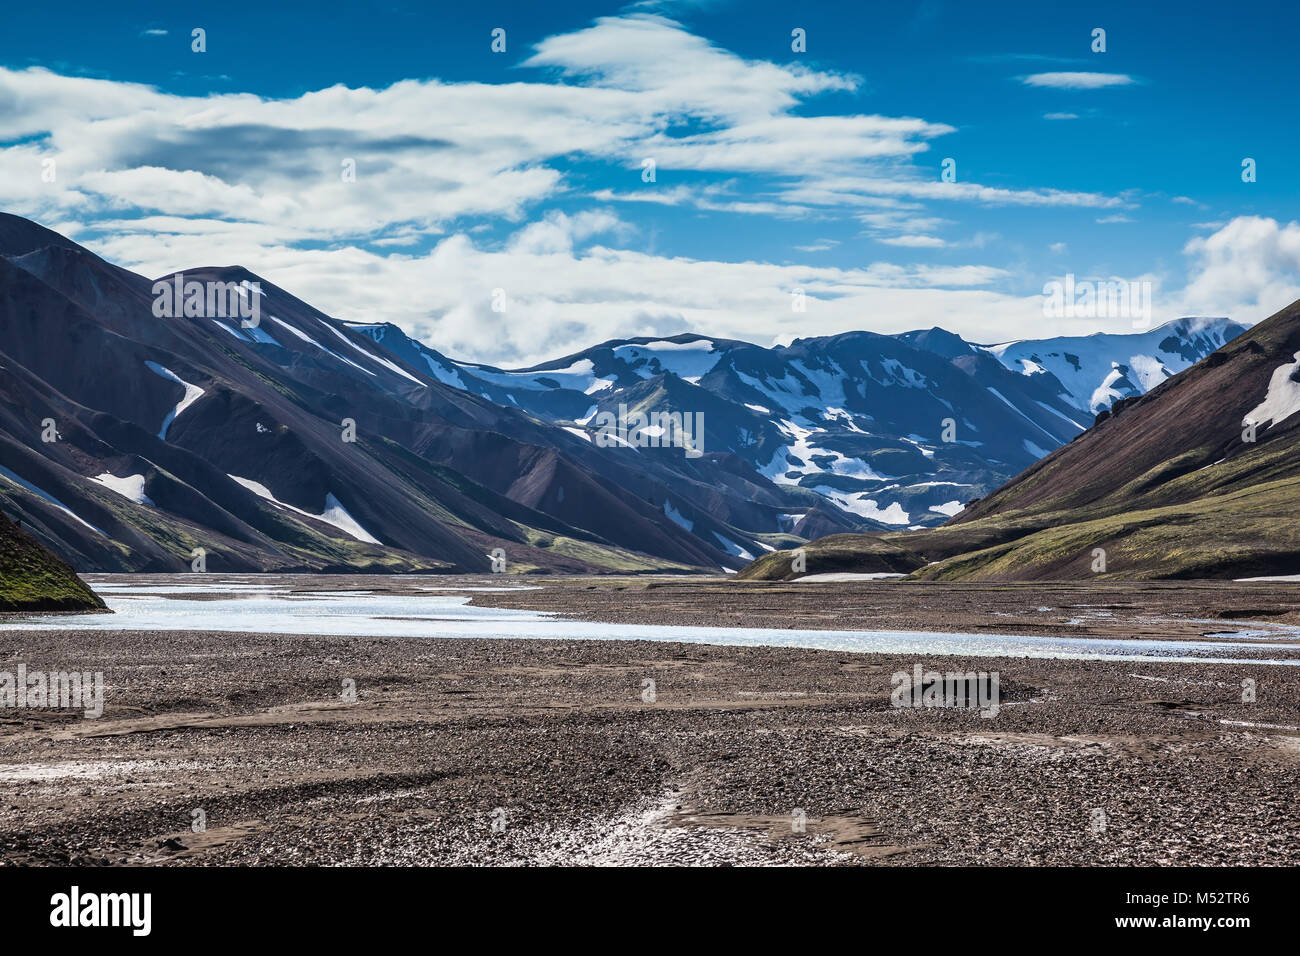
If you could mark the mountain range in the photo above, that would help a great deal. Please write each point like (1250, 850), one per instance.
(132, 440)
(1197, 478)
(860, 417)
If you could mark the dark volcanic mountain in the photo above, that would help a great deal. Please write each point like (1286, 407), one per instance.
(1200, 477)
(130, 441)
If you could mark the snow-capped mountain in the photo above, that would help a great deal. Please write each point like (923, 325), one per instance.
(894, 430)
(133, 437)
(1199, 478)
(1098, 370)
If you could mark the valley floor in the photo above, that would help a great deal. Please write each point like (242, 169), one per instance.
(474, 751)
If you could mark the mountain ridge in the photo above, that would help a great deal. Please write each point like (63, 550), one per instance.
(179, 434)
(800, 414)
(1197, 478)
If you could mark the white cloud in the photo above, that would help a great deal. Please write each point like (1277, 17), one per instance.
(712, 198)
(562, 299)
(914, 242)
(429, 153)
(1077, 81)
(1248, 269)
(160, 182)
(558, 232)
(563, 296)
(868, 191)
(673, 71)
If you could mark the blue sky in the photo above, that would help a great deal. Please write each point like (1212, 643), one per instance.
(775, 170)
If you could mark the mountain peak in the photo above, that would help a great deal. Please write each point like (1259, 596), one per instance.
(235, 273)
(939, 341)
(19, 236)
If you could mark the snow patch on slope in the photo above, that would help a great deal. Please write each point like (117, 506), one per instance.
(1004, 401)
(128, 486)
(309, 340)
(448, 376)
(860, 504)
(375, 358)
(677, 517)
(1282, 399)
(732, 548)
(689, 361)
(802, 448)
(47, 498)
(334, 514)
(192, 395)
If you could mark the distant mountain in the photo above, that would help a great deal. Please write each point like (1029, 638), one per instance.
(1198, 478)
(1099, 370)
(861, 419)
(140, 438)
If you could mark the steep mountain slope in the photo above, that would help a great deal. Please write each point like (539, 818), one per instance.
(1198, 478)
(133, 441)
(890, 431)
(33, 579)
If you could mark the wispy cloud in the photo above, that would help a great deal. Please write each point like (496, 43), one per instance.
(913, 242)
(1077, 81)
(1021, 57)
(441, 213)
(633, 82)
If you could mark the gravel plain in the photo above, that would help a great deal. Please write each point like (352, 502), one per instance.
(239, 749)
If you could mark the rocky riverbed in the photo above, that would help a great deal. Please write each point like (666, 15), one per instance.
(234, 748)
